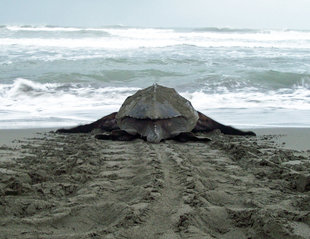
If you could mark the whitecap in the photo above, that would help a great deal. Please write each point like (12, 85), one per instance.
(25, 102)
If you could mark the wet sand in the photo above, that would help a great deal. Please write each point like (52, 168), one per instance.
(290, 138)
(11, 137)
(74, 186)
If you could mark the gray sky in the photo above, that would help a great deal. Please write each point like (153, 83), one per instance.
(275, 14)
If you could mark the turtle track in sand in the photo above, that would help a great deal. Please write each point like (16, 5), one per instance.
(79, 187)
(164, 212)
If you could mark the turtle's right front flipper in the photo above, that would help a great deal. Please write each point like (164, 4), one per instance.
(206, 124)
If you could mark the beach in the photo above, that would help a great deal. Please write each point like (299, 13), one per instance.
(70, 186)
(75, 186)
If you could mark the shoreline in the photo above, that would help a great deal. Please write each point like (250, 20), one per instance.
(295, 138)
(10, 137)
(288, 137)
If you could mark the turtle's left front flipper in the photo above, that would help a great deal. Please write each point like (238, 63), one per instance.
(106, 123)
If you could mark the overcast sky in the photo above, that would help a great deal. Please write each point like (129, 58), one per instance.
(274, 14)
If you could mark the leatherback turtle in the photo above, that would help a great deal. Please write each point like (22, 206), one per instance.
(154, 114)
(157, 113)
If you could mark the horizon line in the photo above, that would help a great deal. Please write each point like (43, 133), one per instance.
(227, 28)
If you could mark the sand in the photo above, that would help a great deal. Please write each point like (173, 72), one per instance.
(12, 137)
(74, 186)
(289, 138)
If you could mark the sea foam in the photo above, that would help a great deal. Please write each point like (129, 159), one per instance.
(132, 38)
(52, 75)
(51, 103)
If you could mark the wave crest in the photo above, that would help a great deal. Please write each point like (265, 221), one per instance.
(32, 102)
(133, 38)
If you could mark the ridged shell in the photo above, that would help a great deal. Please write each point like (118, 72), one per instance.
(157, 103)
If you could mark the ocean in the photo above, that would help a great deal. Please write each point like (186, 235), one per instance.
(53, 76)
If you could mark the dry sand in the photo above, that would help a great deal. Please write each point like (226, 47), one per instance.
(74, 186)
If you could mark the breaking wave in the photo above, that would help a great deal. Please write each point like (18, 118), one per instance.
(25, 101)
(54, 75)
(132, 38)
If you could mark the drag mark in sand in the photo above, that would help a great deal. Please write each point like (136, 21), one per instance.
(77, 187)
(164, 211)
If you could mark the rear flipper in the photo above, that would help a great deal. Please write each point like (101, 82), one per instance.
(189, 136)
(206, 124)
(107, 123)
(117, 135)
